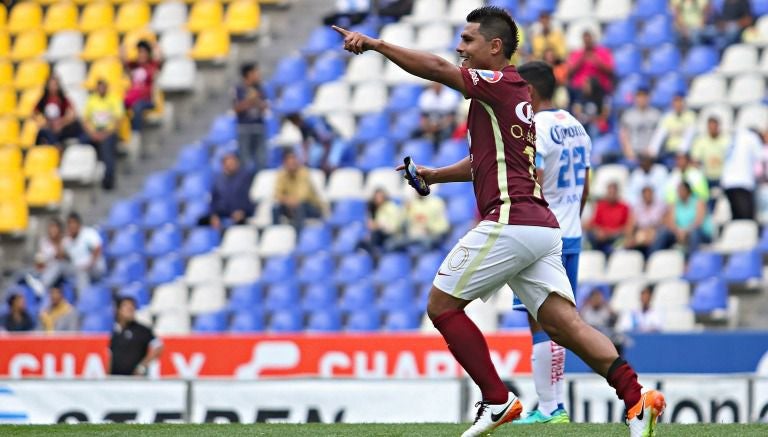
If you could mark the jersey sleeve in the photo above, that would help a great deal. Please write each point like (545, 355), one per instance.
(482, 84)
(542, 147)
(587, 151)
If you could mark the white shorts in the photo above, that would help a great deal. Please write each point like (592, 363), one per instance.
(527, 258)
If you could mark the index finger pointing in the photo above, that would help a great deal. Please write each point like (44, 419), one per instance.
(342, 31)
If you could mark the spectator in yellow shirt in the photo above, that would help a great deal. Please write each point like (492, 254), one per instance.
(546, 35)
(295, 196)
(709, 151)
(426, 221)
(102, 114)
(675, 131)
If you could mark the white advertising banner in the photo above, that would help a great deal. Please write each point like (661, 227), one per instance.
(46, 402)
(349, 401)
(759, 400)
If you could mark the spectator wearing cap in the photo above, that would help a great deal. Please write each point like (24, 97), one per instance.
(84, 250)
(637, 126)
(708, 151)
(133, 346)
(17, 319)
(59, 315)
(230, 201)
(592, 60)
(103, 112)
(675, 132)
(296, 198)
(250, 103)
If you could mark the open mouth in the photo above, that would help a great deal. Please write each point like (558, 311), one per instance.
(463, 60)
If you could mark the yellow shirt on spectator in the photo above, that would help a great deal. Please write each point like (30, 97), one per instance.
(554, 40)
(676, 126)
(710, 152)
(103, 113)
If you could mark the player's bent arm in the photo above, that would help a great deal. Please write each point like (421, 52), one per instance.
(425, 65)
(458, 172)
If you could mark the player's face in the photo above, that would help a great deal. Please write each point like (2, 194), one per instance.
(473, 49)
(126, 311)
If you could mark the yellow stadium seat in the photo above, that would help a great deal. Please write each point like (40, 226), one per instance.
(41, 160)
(205, 14)
(132, 38)
(28, 135)
(156, 114)
(31, 73)
(243, 17)
(211, 44)
(25, 16)
(109, 69)
(3, 15)
(10, 158)
(14, 216)
(5, 44)
(11, 185)
(131, 16)
(100, 44)
(7, 101)
(45, 190)
(97, 15)
(9, 132)
(6, 74)
(60, 16)
(28, 101)
(29, 44)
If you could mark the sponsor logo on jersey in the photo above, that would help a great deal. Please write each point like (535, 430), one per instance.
(524, 112)
(560, 133)
(490, 76)
(473, 75)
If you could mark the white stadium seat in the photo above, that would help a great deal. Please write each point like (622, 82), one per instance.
(263, 185)
(385, 178)
(71, 72)
(679, 320)
(170, 297)
(706, 89)
(394, 75)
(763, 67)
(262, 217)
(746, 89)
(605, 175)
(624, 265)
(611, 10)
(277, 240)
(365, 68)
(203, 269)
(241, 270)
(721, 214)
(369, 97)
(207, 298)
(242, 239)
(427, 11)
(65, 45)
(176, 43)
(671, 294)
(345, 183)
(172, 324)
(168, 15)
(737, 235)
(400, 34)
(738, 59)
(79, 98)
(722, 111)
(288, 136)
(177, 75)
(665, 264)
(458, 10)
(575, 31)
(626, 295)
(331, 97)
(755, 115)
(572, 10)
(591, 266)
(435, 37)
(343, 123)
(80, 164)
(761, 33)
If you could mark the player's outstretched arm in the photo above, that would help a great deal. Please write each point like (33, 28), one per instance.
(458, 172)
(422, 64)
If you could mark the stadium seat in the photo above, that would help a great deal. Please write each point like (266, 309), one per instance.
(322, 39)
(699, 60)
(357, 296)
(199, 241)
(123, 213)
(169, 298)
(391, 267)
(663, 59)
(368, 98)
(664, 264)
(606, 174)
(6, 72)
(29, 99)
(64, 46)
(624, 265)
(706, 89)
(666, 88)
(612, 10)
(245, 297)
(164, 240)
(160, 184)
(207, 298)
(320, 296)
(97, 15)
(327, 68)
(31, 43)
(278, 269)
(165, 269)
(461, 209)
(132, 38)
(737, 236)
(709, 295)
(205, 14)
(344, 124)
(703, 265)
(628, 60)
(8, 107)
(102, 43)
(377, 154)
(137, 291)
(159, 212)
(126, 270)
(751, 116)
(427, 11)
(176, 43)
(313, 238)
(347, 211)
(401, 34)
(364, 320)
(294, 98)
(41, 160)
(211, 45)
(457, 11)
(626, 295)
(24, 16)
(426, 267)
(11, 185)
(9, 131)
(572, 10)
(420, 150)
(671, 295)
(168, 15)
(384, 178)
(364, 68)
(514, 320)
(743, 267)
(353, 268)
(45, 190)
(191, 158)
(213, 322)
(172, 323)
(241, 269)
(401, 319)
(345, 183)
(194, 185)
(282, 295)
(331, 97)
(240, 239)
(645, 9)
(14, 216)
(194, 210)
(242, 17)
(404, 96)
(746, 89)
(434, 37)
(277, 240)
(99, 322)
(126, 241)
(10, 157)
(738, 59)
(348, 239)
(290, 69)
(619, 33)
(324, 320)
(132, 15)
(79, 164)
(316, 268)
(246, 321)
(60, 16)
(5, 44)
(109, 69)
(574, 33)
(93, 299)
(203, 269)
(373, 127)
(286, 320)
(591, 267)
(399, 294)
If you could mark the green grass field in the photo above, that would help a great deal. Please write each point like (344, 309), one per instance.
(378, 430)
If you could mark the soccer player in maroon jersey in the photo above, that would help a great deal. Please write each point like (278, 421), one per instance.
(518, 242)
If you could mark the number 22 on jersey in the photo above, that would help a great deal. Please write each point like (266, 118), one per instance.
(572, 167)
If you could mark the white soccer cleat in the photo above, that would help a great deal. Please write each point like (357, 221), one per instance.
(491, 416)
(643, 416)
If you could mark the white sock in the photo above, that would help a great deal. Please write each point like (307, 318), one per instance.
(558, 369)
(543, 372)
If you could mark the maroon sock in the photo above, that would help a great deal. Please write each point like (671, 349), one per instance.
(468, 346)
(623, 378)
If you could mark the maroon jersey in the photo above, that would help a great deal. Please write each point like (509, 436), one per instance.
(502, 149)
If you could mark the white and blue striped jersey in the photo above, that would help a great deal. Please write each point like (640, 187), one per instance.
(562, 152)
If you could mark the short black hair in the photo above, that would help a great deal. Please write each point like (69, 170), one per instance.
(122, 299)
(541, 77)
(687, 186)
(12, 298)
(74, 216)
(144, 44)
(495, 22)
(246, 69)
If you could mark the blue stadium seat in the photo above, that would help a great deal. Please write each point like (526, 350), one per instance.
(392, 266)
(666, 88)
(403, 319)
(164, 240)
(628, 60)
(759, 7)
(420, 151)
(624, 94)
(290, 69)
(663, 60)
(450, 152)
(376, 154)
(195, 184)
(426, 267)
(461, 209)
(200, 240)
(584, 290)
(404, 96)
(743, 266)
(347, 211)
(348, 238)
(313, 238)
(158, 185)
(605, 144)
(98, 322)
(286, 320)
(315, 268)
(406, 123)
(194, 210)
(327, 68)
(372, 127)
(282, 295)
(159, 212)
(126, 241)
(247, 321)
(128, 269)
(95, 299)
(322, 39)
(124, 213)
(222, 130)
(191, 158)
(324, 320)
(456, 189)
(709, 295)
(358, 296)
(363, 320)
(294, 98)
(278, 269)
(210, 323)
(319, 296)
(136, 290)
(396, 295)
(700, 60)
(703, 265)
(354, 268)
(658, 30)
(514, 320)
(368, 27)
(619, 33)
(245, 297)
(645, 9)
(165, 269)
(510, 5)
(762, 245)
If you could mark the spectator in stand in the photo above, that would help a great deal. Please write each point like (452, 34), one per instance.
(438, 105)
(133, 346)
(17, 319)
(103, 112)
(55, 115)
(590, 61)
(647, 216)
(637, 126)
(230, 200)
(60, 315)
(647, 174)
(545, 35)
(675, 131)
(321, 147)
(686, 222)
(597, 313)
(426, 222)
(249, 105)
(611, 221)
(139, 97)
(84, 251)
(685, 171)
(51, 254)
(742, 156)
(728, 24)
(560, 70)
(643, 319)
(690, 19)
(592, 108)
(708, 151)
(385, 222)
(295, 196)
